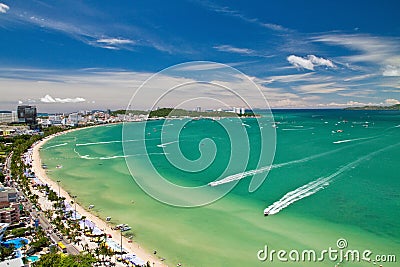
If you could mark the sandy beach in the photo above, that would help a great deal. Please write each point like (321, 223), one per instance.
(132, 248)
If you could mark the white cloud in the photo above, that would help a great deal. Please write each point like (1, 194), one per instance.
(391, 70)
(319, 61)
(300, 62)
(319, 88)
(232, 49)
(347, 104)
(234, 13)
(274, 27)
(380, 50)
(392, 101)
(309, 62)
(115, 41)
(4, 8)
(50, 99)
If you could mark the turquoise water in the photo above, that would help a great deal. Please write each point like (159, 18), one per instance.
(340, 167)
(17, 242)
(32, 258)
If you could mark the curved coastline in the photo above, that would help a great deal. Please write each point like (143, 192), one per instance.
(132, 248)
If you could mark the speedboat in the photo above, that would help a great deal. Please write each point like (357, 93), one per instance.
(267, 211)
(125, 228)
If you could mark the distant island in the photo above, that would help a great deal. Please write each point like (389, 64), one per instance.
(394, 107)
(171, 112)
(179, 113)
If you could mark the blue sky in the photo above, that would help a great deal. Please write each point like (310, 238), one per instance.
(70, 55)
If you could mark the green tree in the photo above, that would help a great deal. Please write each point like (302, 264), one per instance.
(55, 260)
(5, 252)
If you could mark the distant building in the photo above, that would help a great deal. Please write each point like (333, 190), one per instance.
(55, 120)
(9, 212)
(238, 110)
(74, 119)
(198, 109)
(28, 115)
(8, 194)
(8, 116)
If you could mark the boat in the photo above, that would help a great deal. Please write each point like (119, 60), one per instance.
(91, 206)
(120, 226)
(125, 228)
(267, 211)
(108, 219)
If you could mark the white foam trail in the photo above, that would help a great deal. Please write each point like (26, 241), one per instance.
(114, 141)
(244, 124)
(343, 141)
(87, 157)
(63, 144)
(242, 175)
(297, 129)
(99, 143)
(351, 140)
(127, 156)
(165, 144)
(315, 186)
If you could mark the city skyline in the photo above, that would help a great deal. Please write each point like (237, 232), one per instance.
(72, 55)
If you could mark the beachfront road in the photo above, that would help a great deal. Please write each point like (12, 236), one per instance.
(47, 227)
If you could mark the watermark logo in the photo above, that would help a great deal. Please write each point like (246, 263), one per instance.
(339, 254)
(198, 85)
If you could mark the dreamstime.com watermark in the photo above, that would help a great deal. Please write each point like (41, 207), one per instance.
(340, 253)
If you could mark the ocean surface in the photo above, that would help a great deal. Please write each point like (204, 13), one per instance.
(335, 175)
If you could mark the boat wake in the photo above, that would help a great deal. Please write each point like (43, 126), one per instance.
(242, 175)
(351, 140)
(114, 141)
(165, 144)
(88, 157)
(63, 144)
(315, 186)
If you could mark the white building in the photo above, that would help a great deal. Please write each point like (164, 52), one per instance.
(74, 118)
(8, 116)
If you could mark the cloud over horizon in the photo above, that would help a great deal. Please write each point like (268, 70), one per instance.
(50, 99)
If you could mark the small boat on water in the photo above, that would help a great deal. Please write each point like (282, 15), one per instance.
(120, 226)
(267, 212)
(59, 166)
(125, 228)
(108, 219)
(91, 207)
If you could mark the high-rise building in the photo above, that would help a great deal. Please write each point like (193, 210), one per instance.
(27, 114)
(8, 116)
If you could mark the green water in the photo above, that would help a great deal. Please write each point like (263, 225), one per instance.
(360, 203)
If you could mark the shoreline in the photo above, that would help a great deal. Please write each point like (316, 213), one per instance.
(132, 248)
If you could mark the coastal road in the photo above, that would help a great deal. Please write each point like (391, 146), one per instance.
(47, 227)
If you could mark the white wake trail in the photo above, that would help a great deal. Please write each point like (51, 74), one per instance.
(165, 144)
(63, 144)
(315, 186)
(241, 175)
(113, 141)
